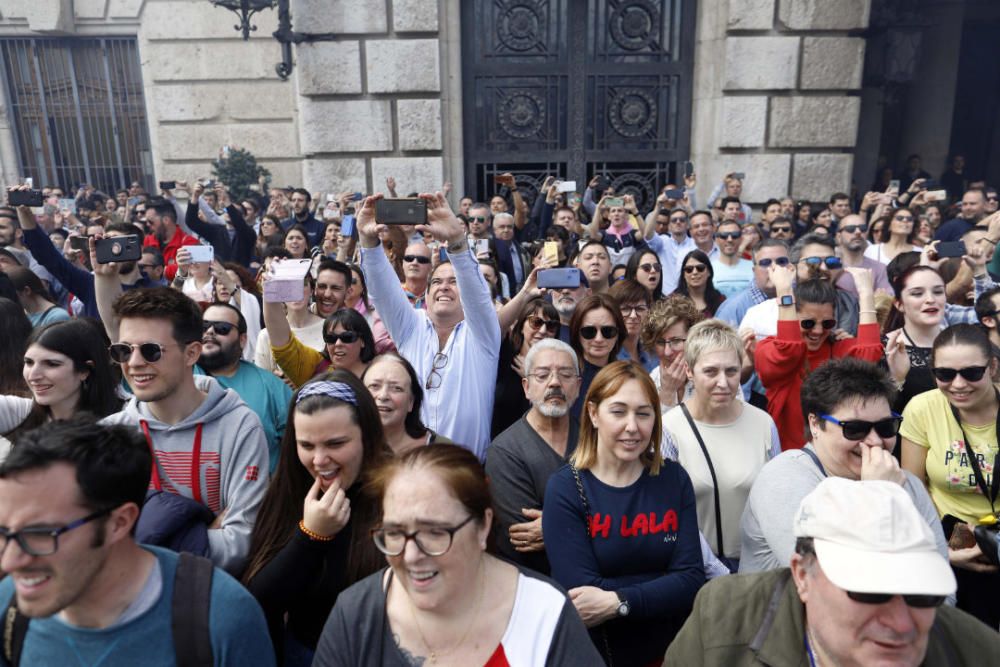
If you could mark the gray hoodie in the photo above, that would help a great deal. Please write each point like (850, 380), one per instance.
(233, 463)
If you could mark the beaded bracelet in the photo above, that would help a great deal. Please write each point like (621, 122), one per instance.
(311, 535)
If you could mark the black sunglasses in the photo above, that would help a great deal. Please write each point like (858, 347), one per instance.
(607, 332)
(778, 261)
(780, 230)
(858, 429)
(970, 373)
(120, 353)
(651, 268)
(695, 268)
(477, 218)
(419, 259)
(537, 323)
(728, 236)
(916, 601)
(221, 328)
(850, 229)
(810, 324)
(346, 337)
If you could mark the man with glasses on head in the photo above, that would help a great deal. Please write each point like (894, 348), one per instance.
(865, 585)
(416, 271)
(454, 344)
(80, 589)
(222, 343)
(851, 238)
(666, 234)
(191, 423)
(520, 460)
(733, 274)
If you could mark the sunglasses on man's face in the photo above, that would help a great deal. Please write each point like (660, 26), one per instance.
(221, 328)
(850, 229)
(695, 268)
(777, 261)
(419, 259)
(781, 230)
(346, 337)
(915, 601)
(120, 353)
(830, 262)
(858, 429)
(477, 218)
(969, 373)
(607, 332)
(728, 236)
(810, 324)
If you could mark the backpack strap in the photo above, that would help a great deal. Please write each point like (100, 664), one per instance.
(189, 611)
(15, 627)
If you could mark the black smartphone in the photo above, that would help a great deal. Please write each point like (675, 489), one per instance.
(81, 243)
(602, 183)
(168, 185)
(401, 211)
(688, 169)
(950, 249)
(676, 193)
(25, 197)
(119, 249)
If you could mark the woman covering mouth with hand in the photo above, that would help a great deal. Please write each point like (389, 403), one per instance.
(310, 541)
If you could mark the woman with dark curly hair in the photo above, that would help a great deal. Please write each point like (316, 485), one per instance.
(696, 283)
(665, 332)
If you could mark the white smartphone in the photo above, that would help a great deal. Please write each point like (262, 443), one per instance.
(201, 253)
(566, 186)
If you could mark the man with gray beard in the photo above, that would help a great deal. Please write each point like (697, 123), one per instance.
(565, 301)
(521, 459)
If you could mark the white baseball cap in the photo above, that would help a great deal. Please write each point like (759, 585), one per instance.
(870, 538)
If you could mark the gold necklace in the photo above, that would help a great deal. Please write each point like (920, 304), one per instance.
(434, 654)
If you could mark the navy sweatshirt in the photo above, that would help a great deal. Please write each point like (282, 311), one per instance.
(644, 545)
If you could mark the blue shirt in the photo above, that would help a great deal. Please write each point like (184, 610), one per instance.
(731, 280)
(735, 307)
(953, 230)
(238, 631)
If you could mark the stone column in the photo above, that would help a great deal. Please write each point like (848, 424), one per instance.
(776, 96)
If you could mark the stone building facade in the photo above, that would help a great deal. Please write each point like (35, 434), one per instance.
(776, 89)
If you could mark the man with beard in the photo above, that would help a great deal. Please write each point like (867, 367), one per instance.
(301, 215)
(79, 282)
(222, 343)
(332, 279)
(850, 237)
(165, 235)
(520, 460)
(565, 301)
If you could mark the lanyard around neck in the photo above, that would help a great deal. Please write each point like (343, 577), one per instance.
(992, 490)
(195, 461)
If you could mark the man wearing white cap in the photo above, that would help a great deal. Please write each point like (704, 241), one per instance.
(865, 587)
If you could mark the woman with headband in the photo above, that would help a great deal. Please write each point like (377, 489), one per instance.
(311, 541)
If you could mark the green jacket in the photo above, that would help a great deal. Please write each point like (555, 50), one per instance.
(757, 619)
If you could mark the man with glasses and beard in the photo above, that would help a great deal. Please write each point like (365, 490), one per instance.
(520, 460)
(851, 239)
(781, 229)
(222, 343)
(565, 300)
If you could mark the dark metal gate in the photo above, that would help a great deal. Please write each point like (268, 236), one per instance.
(577, 88)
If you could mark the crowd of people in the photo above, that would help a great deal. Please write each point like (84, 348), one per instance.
(564, 431)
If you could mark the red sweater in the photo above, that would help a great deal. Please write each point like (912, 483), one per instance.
(783, 361)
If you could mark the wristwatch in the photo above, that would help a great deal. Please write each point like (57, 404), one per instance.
(787, 300)
(623, 606)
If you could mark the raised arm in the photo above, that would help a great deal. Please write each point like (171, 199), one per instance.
(107, 288)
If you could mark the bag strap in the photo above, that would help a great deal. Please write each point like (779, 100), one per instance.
(189, 611)
(993, 490)
(715, 481)
(815, 459)
(15, 627)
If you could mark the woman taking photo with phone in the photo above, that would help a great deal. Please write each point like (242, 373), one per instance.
(445, 599)
(620, 524)
(310, 540)
(596, 332)
(949, 441)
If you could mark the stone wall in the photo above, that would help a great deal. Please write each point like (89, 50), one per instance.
(776, 95)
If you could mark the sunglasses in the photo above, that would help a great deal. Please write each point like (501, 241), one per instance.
(477, 218)
(858, 429)
(346, 337)
(679, 219)
(970, 373)
(831, 262)
(651, 268)
(120, 353)
(537, 323)
(850, 229)
(607, 332)
(810, 324)
(728, 236)
(221, 328)
(778, 261)
(916, 601)
(780, 230)
(419, 259)
(904, 218)
(695, 268)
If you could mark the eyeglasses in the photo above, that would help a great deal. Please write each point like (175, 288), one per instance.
(680, 218)
(44, 541)
(850, 229)
(969, 373)
(120, 353)
(537, 323)
(346, 337)
(607, 332)
(695, 268)
(221, 328)
(728, 236)
(904, 218)
(543, 374)
(431, 541)
(777, 261)
(634, 310)
(916, 601)
(675, 344)
(434, 378)
(858, 429)
(419, 259)
(810, 324)
(831, 262)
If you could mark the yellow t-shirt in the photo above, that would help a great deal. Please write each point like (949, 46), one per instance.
(928, 422)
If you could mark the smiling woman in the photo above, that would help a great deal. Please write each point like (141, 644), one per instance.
(310, 540)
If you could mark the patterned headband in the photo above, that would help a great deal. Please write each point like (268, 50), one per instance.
(338, 390)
